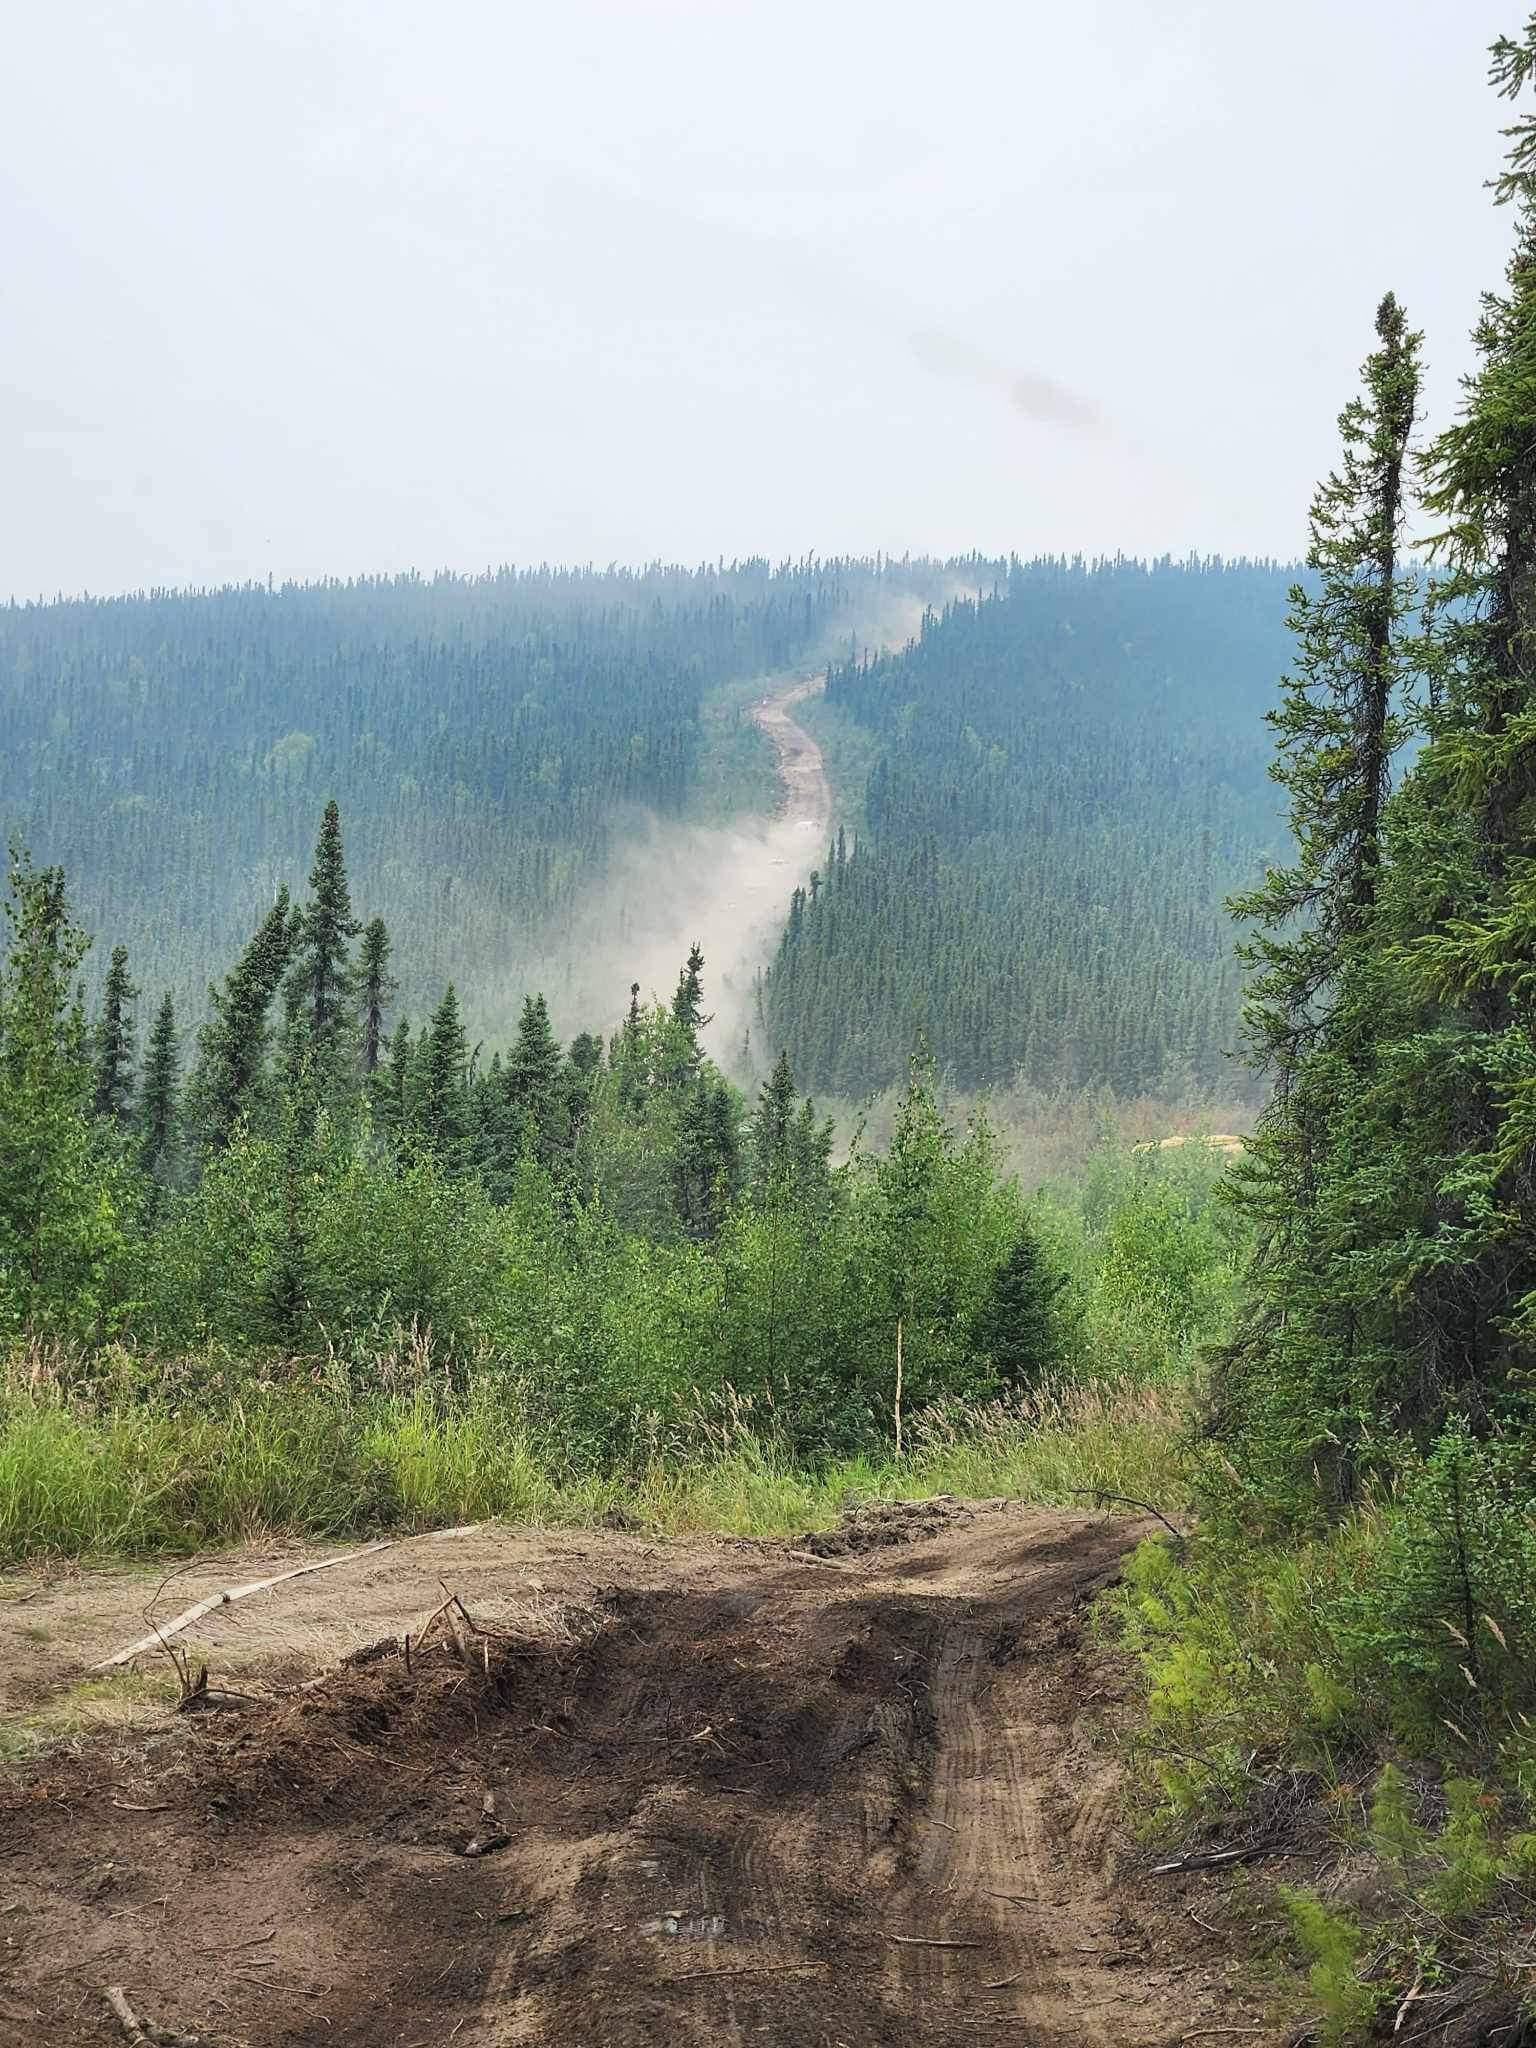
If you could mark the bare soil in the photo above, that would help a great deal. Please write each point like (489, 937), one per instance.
(741, 1793)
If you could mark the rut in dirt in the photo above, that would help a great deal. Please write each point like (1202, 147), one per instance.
(869, 1801)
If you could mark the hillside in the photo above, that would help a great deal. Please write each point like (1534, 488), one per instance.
(1069, 777)
(493, 741)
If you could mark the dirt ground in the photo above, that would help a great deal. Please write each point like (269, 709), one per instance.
(728, 1793)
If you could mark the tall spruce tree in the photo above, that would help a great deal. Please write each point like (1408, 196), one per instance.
(443, 1112)
(531, 1082)
(1464, 1260)
(322, 982)
(159, 1098)
(375, 990)
(1313, 1013)
(233, 1044)
(114, 1040)
(773, 1132)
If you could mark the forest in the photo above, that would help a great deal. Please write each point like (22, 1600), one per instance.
(300, 1256)
(1069, 778)
(492, 742)
(489, 739)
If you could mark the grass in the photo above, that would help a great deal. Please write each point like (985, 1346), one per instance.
(121, 1703)
(149, 1478)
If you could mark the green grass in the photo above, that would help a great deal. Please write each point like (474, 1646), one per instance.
(120, 1702)
(150, 1479)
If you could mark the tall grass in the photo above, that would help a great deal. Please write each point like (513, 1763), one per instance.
(78, 1479)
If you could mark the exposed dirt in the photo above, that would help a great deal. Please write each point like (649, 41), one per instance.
(748, 1796)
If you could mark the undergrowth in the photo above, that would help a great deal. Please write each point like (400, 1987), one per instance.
(87, 1476)
(1364, 1698)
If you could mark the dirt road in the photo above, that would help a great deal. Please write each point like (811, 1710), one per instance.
(726, 886)
(741, 1794)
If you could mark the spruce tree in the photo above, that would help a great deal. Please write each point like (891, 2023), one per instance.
(376, 988)
(112, 1093)
(1299, 1365)
(1018, 1328)
(322, 981)
(688, 1003)
(159, 1097)
(56, 1215)
(443, 1114)
(773, 1132)
(1463, 1261)
(231, 1072)
(531, 1082)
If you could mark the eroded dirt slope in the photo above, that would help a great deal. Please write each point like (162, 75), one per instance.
(747, 1797)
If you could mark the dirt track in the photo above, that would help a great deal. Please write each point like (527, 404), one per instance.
(749, 1798)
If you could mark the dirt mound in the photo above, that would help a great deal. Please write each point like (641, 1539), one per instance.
(728, 1797)
(883, 1522)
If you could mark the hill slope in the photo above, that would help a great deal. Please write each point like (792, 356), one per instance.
(1069, 778)
(491, 741)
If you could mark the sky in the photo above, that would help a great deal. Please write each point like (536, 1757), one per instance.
(299, 288)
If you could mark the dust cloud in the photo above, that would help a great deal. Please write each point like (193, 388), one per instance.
(726, 887)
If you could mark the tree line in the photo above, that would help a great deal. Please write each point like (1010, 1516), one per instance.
(309, 1172)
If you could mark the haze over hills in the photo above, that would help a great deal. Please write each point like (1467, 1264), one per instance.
(552, 779)
(499, 745)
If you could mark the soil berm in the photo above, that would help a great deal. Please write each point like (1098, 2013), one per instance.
(705, 1792)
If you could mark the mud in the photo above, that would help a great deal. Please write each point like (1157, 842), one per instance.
(748, 1795)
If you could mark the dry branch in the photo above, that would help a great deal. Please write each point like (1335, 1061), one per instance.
(158, 1637)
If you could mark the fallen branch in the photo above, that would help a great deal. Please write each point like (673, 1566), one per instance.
(809, 1557)
(124, 2014)
(144, 2033)
(931, 1941)
(1127, 1500)
(744, 1970)
(158, 1637)
(1214, 1859)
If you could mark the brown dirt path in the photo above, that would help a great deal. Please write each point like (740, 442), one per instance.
(749, 1799)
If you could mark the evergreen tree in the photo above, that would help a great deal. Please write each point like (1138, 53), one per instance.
(1313, 1012)
(112, 1093)
(1018, 1327)
(1467, 1078)
(322, 982)
(688, 1003)
(443, 1113)
(376, 990)
(773, 1131)
(233, 1044)
(159, 1098)
(57, 1225)
(397, 1097)
(531, 1080)
(707, 1163)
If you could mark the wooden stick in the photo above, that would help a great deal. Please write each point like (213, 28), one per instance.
(158, 1637)
(746, 1970)
(809, 1557)
(931, 1941)
(1128, 1500)
(1215, 1858)
(126, 2017)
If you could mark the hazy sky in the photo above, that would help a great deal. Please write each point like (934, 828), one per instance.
(302, 287)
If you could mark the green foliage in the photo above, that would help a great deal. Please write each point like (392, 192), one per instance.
(1068, 777)
(60, 1191)
(1333, 1947)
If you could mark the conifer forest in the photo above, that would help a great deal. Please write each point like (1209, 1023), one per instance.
(766, 1529)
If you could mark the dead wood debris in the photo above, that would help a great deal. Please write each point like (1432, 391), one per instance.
(144, 2033)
